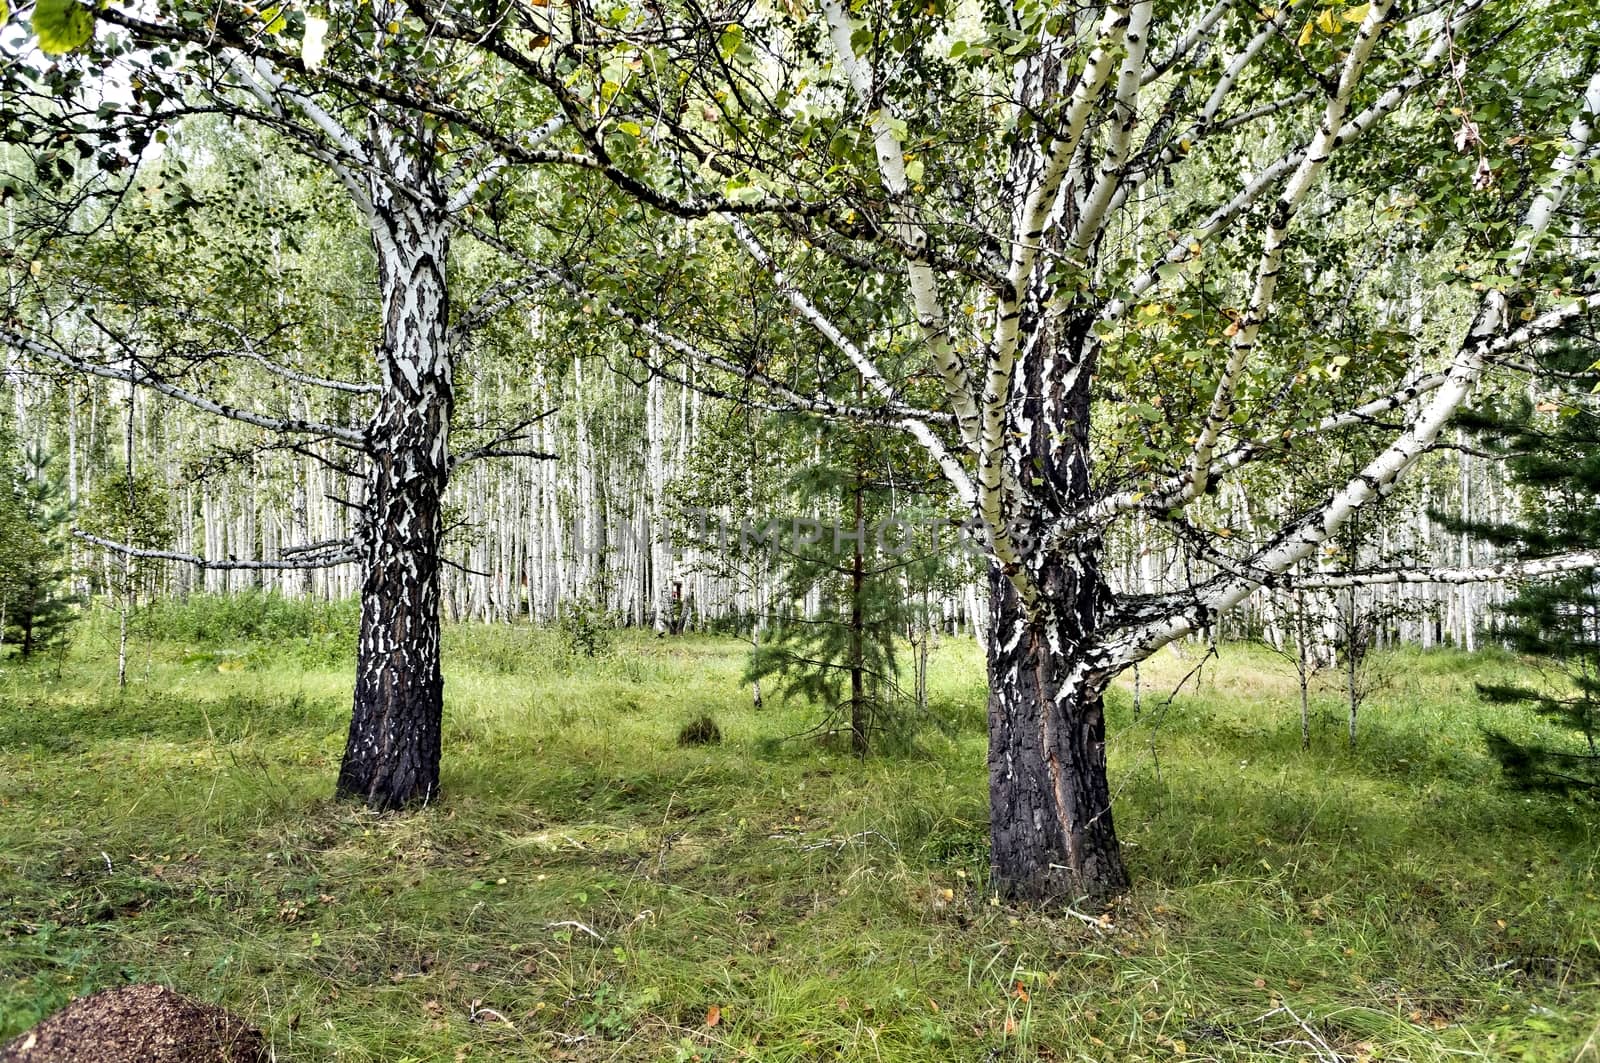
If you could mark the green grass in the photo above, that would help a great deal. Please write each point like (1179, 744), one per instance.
(1394, 902)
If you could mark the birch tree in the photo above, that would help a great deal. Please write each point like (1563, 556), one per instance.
(113, 80)
(1070, 251)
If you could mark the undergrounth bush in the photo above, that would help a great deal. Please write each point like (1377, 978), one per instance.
(249, 616)
(701, 731)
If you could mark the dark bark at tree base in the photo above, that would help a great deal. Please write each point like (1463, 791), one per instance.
(1051, 833)
(392, 754)
(393, 751)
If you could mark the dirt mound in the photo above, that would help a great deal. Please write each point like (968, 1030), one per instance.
(138, 1024)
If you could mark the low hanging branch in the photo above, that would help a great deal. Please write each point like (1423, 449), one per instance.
(345, 555)
(484, 453)
(1527, 568)
(785, 398)
(506, 444)
(144, 378)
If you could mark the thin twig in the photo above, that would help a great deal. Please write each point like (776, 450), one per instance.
(840, 843)
(1325, 1053)
(576, 926)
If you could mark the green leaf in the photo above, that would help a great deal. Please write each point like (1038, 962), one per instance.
(630, 128)
(739, 190)
(731, 39)
(5, 12)
(62, 25)
(273, 17)
(914, 171)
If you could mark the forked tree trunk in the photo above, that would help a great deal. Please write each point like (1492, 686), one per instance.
(1051, 833)
(392, 754)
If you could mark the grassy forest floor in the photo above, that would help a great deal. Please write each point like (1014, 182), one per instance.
(590, 890)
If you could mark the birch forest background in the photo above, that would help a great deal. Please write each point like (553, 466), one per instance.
(799, 529)
(638, 500)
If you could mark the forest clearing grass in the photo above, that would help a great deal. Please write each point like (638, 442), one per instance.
(590, 889)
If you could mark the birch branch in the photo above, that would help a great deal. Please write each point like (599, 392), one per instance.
(347, 556)
(247, 349)
(485, 453)
(1029, 228)
(1124, 114)
(1378, 478)
(892, 414)
(500, 446)
(257, 78)
(296, 377)
(496, 298)
(472, 185)
(920, 430)
(1527, 568)
(344, 436)
(1185, 44)
(1178, 489)
(1204, 122)
(908, 231)
(1265, 110)
(1240, 578)
(1277, 234)
(1192, 242)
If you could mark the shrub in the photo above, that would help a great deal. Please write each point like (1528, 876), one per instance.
(702, 731)
(586, 628)
(249, 616)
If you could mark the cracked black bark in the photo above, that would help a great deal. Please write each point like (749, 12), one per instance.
(392, 752)
(1051, 832)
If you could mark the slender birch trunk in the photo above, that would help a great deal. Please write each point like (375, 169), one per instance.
(1352, 651)
(127, 558)
(859, 712)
